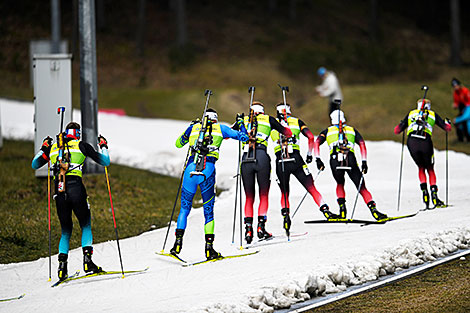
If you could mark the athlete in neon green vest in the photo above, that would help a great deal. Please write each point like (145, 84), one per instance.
(74, 198)
(419, 124)
(293, 163)
(203, 177)
(256, 165)
(340, 149)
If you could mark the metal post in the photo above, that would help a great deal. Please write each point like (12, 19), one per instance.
(88, 79)
(55, 26)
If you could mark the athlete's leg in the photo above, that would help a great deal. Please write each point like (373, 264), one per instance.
(283, 177)
(304, 176)
(64, 212)
(263, 176)
(208, 197)
(248, 178)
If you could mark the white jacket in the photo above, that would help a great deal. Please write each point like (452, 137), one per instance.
(330, 87)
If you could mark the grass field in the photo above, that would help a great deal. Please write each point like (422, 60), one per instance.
(441, 289)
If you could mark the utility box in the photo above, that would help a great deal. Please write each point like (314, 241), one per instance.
(52, 76)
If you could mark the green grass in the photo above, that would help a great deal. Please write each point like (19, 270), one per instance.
(141, 199)
(441, 289)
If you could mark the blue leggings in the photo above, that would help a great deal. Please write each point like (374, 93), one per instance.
(207, 185)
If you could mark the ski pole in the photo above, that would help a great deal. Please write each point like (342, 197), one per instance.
(114, 219)
(49, 211)
(357, 194)
(447, 169)
(176, 199)
(236, 195)
(401, 169)
(240, 200)
(306, 193)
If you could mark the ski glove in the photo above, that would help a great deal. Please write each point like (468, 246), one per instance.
(239, 118)
(46, 144)
(320, 164)
(364, 166)
(309, 159)
(102, 142)
(195, 121)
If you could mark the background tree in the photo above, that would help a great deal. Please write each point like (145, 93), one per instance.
(455, 58)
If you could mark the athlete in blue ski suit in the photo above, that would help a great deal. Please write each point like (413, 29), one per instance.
(203, 177)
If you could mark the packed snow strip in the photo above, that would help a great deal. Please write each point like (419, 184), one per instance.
(338, 278)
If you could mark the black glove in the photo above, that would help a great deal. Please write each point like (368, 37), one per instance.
(309, 159)
(364, 166)
(195, 121)
(204, 150)
(102, 142)
(320, 164)
(46, 144)
(239, 118)
(447, 120)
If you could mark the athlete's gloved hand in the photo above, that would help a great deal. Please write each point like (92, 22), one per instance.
(239, 118)
(309, 159)
(320, 164)
(364, 166)
(102, 142)
(46, 144)
(204, 150)
(195, 121)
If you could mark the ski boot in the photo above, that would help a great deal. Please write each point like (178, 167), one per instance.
(327, 213)
(62, 271)
(248, 229)
(375, 213)
(342, 207)
(424, 189)
(88, 264)
(178, 242)
(435, 200)
(262, 233)
(210, 252)
(287, 221)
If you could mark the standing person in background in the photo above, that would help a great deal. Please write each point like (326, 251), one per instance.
(419, 124)
(289, 161)
(74, 197)
(341, 139)
(329, 88)
(259, 167)
(203, 176)
(462, 103)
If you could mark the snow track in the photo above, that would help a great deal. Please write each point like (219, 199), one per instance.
(331, 258)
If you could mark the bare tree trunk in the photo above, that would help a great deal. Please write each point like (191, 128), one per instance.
(140, 34)
(293, 10)
(75, 44)
(272, 6)
(455, 58)
(100, 15)
(182, 38)
(373, 20)
(55, 26)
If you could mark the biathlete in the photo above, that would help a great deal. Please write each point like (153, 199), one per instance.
(202, 173)
(74, 197)
(256, 164)
(289, 161)
(341, 140)
(419, 124)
